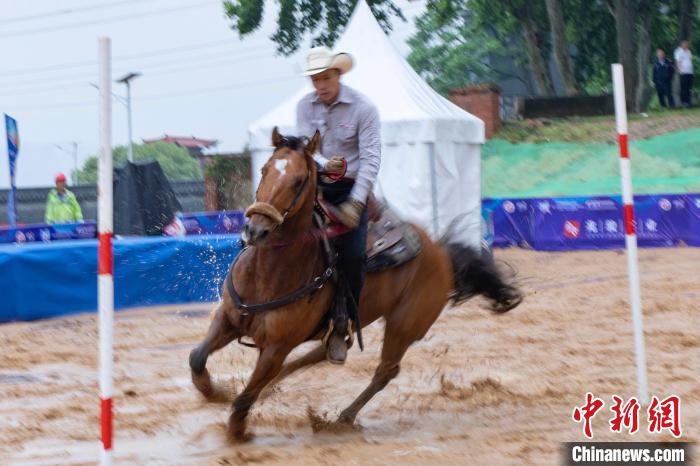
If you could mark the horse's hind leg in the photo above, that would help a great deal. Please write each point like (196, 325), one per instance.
(220, 334)
(393, 349)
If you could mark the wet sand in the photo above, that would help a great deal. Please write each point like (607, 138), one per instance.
(479, 389)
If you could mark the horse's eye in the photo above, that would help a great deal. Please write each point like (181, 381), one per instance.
(298, 183)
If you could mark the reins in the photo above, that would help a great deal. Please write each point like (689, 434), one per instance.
(319, 233)
(278, 218)
(316, 283)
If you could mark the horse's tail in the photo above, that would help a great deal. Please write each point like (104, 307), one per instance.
(475, 273)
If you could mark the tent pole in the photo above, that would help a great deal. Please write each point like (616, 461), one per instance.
(433, 188)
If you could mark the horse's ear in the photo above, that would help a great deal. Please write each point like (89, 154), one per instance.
(314, 144)
(277, 138)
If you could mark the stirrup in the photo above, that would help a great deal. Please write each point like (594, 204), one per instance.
(349, 338)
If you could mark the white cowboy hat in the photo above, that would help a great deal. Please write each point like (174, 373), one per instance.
(321, 59)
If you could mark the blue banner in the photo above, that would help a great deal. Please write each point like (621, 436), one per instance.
(198, 223)
(12, 152)
(47, 233)
(213, 223)
(559, 224)
(693, 239)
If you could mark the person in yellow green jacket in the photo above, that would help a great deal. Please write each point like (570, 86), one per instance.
(61, 204)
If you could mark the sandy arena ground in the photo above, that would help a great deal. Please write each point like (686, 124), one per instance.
(479, 389)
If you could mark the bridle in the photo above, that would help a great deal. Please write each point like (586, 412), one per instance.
(329, 272)
(271, 212)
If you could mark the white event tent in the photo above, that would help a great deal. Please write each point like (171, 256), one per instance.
(431, 149)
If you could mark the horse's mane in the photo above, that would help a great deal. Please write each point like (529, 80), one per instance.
(293, 142)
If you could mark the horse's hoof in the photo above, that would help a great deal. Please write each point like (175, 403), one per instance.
(202, 382)
(239, 436)
(344, 425)
(210, 391)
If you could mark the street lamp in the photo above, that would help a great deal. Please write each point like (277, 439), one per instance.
(126, 79)
(74, 153)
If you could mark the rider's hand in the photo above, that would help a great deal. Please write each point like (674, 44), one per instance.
(349, 213)
(334, 166)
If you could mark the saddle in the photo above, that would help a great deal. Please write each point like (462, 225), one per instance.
(390, 241)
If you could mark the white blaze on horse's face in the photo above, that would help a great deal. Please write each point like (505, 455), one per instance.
(281, 166)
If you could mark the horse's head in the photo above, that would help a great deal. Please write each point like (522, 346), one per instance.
(287, 187)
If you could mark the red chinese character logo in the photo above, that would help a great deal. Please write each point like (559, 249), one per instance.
(625, 416)
(572, 228)
(665, 414)
(586, 412)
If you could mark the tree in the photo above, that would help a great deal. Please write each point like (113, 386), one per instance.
(644, 19)
(687, 8)
(176, 162)
(524, 11)
(590, 27)
(449, 50)
(232, 177)
(599, 32)
(625, 14)
(456, 41)
(507, 19)
(561, 46)
(324, 20)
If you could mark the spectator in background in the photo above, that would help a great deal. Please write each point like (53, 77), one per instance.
(61, 204)
(684, 64)
(663, 76)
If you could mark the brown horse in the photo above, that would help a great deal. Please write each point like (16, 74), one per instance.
(409, 297)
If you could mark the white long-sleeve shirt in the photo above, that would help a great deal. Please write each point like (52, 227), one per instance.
(350, 129)
(684, 60)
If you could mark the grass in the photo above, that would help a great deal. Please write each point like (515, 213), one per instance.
(598, 128)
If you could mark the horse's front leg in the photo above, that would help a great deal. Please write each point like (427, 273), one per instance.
(220, 334)
(268, 366)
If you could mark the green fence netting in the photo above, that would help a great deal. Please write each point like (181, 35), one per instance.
(662, 164)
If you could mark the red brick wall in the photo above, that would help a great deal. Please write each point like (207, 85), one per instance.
(482, 101)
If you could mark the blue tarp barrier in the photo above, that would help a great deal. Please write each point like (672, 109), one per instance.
(41, 280)
(562, 224)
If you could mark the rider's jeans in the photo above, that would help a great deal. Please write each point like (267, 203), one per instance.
(351, 246)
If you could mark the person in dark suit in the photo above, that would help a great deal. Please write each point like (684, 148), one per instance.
(663, 76)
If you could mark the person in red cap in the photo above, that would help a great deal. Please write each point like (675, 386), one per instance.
(62, 205)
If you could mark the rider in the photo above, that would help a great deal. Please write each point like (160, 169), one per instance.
(349, 127)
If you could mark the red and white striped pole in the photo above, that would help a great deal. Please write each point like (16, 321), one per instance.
(105, 281)
(630, 231)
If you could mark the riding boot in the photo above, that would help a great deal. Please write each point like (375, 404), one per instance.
(337, 345)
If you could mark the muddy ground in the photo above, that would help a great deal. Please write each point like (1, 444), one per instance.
(479, 389)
